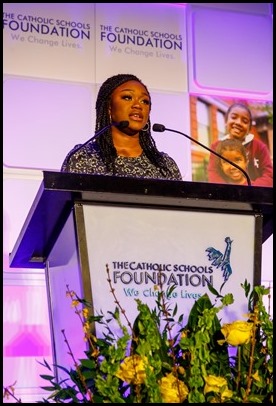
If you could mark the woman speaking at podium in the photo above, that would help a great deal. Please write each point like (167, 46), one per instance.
(122, 144)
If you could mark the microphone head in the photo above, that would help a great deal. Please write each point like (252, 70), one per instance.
(122, 124)
(158, 127)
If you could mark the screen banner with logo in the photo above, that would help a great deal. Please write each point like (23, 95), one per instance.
(144, 246)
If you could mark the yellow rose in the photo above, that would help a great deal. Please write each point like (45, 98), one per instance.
(236, 333)
(256, 376)
(214, 384)
(132, 370)
(172, 389)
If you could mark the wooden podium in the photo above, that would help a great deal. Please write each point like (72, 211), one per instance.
(79, 223)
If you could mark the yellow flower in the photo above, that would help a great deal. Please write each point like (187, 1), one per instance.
(181, 370)
(86, 327)
(184, 334)
(9, 391)
(172, 389)
(214, 384)
(70, 293)
(132, 370)
(256, 376)
(236, 333)
(85, 313)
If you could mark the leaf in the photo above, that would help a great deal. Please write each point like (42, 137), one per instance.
(199, 306)
(45, 364)
(47, 377)
(212, 289)
(62, 368)
(48, 388)
(88, 363)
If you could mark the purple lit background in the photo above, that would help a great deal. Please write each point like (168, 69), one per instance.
(49, 96)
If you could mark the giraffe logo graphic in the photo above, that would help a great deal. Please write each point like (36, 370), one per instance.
(221, 260)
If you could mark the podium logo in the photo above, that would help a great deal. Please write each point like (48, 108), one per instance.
(221, 260)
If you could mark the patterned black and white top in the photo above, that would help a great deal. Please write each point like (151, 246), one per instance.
(88, 160)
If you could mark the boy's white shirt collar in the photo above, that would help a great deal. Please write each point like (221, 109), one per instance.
(249, 137)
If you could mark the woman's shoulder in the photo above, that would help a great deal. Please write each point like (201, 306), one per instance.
(167, 157)
(172, 165)
(80, 154)
(91, 148)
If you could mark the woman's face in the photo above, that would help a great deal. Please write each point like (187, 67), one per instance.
(131, 102)
(238, 123)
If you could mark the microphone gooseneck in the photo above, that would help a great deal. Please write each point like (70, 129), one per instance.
(120, 125)
(161, 128)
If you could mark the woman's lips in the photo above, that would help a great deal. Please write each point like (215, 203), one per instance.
(136, 117)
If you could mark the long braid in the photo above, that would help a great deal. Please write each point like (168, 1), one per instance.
(148, 144)
(105, 141)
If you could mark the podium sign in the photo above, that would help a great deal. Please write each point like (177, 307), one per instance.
(187, 234)
(187, 249)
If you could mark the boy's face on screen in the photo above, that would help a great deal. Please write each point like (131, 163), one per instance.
(234, 174)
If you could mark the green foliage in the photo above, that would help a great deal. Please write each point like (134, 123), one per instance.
(151, 364)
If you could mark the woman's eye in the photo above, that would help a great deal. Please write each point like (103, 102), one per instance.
(142, 101)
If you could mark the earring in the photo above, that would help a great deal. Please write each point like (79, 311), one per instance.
(146, 128)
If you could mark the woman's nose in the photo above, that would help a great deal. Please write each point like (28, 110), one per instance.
(136, 103)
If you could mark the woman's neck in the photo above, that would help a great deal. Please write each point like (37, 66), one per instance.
(127, 145)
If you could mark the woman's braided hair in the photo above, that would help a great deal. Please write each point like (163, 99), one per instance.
(105, 142)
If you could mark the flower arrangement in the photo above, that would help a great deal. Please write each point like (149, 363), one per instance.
(204, 362)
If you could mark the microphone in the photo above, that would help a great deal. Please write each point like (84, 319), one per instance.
(120, 125)
(160, 128)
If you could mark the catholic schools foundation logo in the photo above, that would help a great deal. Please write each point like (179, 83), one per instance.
(221, 260)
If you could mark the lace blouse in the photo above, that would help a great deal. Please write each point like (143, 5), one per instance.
(88, 160)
